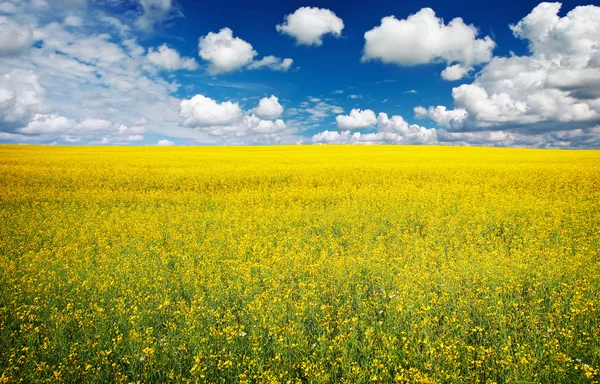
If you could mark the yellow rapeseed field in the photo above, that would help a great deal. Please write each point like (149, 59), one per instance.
(299, 264)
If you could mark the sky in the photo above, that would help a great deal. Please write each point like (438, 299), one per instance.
(177, 72)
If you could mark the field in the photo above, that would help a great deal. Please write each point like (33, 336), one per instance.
(315, 264)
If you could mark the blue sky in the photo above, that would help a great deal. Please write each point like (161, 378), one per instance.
(148, 72)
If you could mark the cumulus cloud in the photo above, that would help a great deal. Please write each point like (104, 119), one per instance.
(43, 124)
(227, 122)
(424, 38)
(224, 52)
(21, 96)
(442, 116)
(82, 74)
(308, 25)
(14, 38)
(396, 130)
(357, 119)
(272, 62)
(551, 89)
(165, 143)
(70, 130)
(269, 108)
(389, 130)
(201, 111)
(454, 72)
(407, 133)
(169, 59)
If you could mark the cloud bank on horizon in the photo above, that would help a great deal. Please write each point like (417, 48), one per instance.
(137, 73)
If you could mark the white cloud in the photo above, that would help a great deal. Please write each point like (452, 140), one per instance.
(313, 111)
(390, 130)
(269, 108)
(98, 71)
(155, 12)
(272, 62)
(265, 126)
(90, 79)
(73, 21)
(169, 58)
(347, 137)
(442, 116)
(395, 130)
(69, 130)
(454, 72)
(227, 123)
(165, 143)
(421, 112)
(357, 119)
(134, 138)
(21, 96)
(201, 111)
(43, 124)
(8, 8)
(408, 133)
(225, 52)
(308, 25)
(552, 89)
(424, 38)
(14, 38)
(95, 125)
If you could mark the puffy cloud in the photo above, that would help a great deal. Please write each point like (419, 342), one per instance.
(165, 143)
(264, 126)
(21, 96)
(225, 52)
(454, 72)
(347, 137)
(390, 130)
(272, 62)
(421, 112)
(226, 121)
(44, 124)
(395, 130)
(554, 88)
(357, 119)
(134, 138)
(98, 71)
(54, 124)
(201, 111)
(169, 58)
(154, 12)
(442, 116)
(14, 38)
(269, 108)
(424, 38)
(308, 25)
(408, 133)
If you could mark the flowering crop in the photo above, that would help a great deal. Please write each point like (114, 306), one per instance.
(317, 264)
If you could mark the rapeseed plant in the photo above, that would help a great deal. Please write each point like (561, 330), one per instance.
(317, 264)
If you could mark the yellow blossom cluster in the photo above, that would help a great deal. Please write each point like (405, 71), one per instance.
(299, 264)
